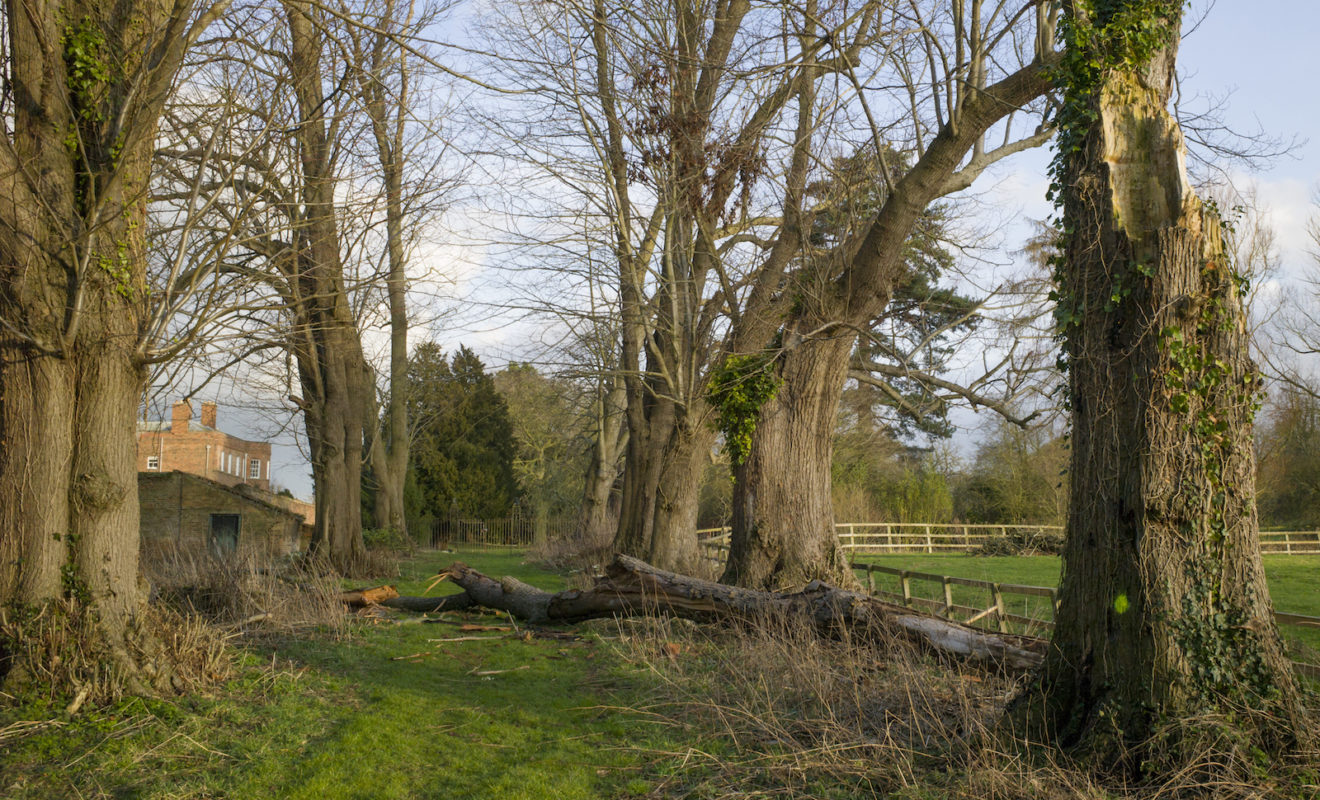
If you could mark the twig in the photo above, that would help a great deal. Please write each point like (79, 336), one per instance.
(487, 672)
(468, 639)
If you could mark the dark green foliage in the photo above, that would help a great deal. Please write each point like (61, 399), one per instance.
(462, 452)
(914, 330)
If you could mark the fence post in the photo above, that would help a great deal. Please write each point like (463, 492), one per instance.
(870, 579)
(948, 598)
(930, 548)
(906, 583)
(998, 598)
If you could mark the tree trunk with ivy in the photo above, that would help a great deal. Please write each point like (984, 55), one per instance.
(784, 522)
(84, 84)
(1164, 616)
(785, 528)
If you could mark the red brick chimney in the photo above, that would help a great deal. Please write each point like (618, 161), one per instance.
(179, 416)
(208, 413)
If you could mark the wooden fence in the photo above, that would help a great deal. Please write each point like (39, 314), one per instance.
(924, 537)
(1041, 604)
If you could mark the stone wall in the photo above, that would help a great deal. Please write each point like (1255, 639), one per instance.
(177, 511)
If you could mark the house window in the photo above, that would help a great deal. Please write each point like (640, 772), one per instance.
(254, 468)
(153, 463)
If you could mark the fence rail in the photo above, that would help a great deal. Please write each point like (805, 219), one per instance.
(923, 537)
(997, 613)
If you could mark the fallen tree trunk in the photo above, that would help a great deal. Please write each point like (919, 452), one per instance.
(633, 587)
(451, 602)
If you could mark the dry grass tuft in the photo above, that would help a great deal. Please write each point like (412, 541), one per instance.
(583, 552)
(240, 592)
(805, 717)
(60, 653)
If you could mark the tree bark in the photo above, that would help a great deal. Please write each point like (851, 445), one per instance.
(1163, 609)
(599, 518)
(783, 517)
(632, 587)
(335, 378)
(389, 451)
(74, 167)
(662, 469)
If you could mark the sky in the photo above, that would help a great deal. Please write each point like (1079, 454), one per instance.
(1253, 55)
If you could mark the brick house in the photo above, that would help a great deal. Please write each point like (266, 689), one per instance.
(202, 449)
(186, 513)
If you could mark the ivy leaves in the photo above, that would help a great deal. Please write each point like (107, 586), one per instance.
(738, 389)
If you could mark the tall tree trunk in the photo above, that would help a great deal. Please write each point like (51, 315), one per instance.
(73, 175)
(786, 527)
(784, 490)
(662, 469)
(336, 380)
(599, 517)
(1163, 609)
(389, 453)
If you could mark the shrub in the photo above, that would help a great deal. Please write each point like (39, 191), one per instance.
(1023, 542)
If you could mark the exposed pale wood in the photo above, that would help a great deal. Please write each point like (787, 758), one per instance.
(373, 596)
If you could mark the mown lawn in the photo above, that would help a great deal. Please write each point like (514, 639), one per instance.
(336, 716)
(1293, 581)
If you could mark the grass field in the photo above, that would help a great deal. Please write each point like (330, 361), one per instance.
(1292, 581)
(386, 709)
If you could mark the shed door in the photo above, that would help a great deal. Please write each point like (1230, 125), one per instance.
(224, 533)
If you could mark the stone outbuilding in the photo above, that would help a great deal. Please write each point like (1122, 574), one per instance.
(189, 514)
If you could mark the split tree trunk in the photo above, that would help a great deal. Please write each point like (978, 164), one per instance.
(1163, 609)
(662, 469)
(73, 176)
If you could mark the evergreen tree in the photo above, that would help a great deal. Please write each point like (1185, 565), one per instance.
(462, 454)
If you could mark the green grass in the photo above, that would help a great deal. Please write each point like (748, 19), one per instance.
(338, 718)
(323, 715)
(1292, 581)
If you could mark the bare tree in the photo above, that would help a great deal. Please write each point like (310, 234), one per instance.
(961, 71)
(673, 111)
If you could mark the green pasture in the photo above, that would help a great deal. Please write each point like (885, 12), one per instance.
(383, 710)
(1292, 581)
